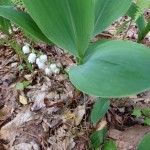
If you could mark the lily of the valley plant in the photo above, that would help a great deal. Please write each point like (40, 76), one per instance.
(41, 61)
(106, 68)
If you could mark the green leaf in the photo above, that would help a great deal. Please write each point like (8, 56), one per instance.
(144, 144)
(137, 113)
(110, 145)
(20, 86)
(4, 23)
(97, 138)
(108, 11)
(145, 112)
(25, 83)
(24, 21)
(67, 23)
(100, 108)
(21, 67)
(113, 69)
(147, 121)
(5, 3)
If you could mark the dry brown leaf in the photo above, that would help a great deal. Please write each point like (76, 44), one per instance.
(5, 112)
(68, 143)
(102, 124)
(62, 140)
(38, 99)
(23, 100)
(13, 128)
(22, 146)
(79, 112)
(26, 146)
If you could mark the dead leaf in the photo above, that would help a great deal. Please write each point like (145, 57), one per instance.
(26, 146)
(23, 100)
(102, 124)
(22, 146)
(5, 113)
(38, 99)
(79, 112)
(13, 128)
(69, 116)
(62, 140)
(69, 143)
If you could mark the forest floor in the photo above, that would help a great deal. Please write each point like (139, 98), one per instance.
(49, 113)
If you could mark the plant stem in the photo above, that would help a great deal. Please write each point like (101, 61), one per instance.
(80, 60)
(17, 49)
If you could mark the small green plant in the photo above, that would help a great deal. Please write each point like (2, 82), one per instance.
(22, 85)
(144, 113)
(136, 13)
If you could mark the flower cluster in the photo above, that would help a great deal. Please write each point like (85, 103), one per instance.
(41, 61)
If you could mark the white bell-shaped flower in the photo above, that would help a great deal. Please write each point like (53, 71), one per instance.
(48, 71)
(38, 61)
(41, 65)
(53, 67)
(26, 49)
(32, 58)
(43, 58)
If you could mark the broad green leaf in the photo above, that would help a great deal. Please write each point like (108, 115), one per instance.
(100, 108)
(4, 23)
(67, 23)
(145, 143)
(113, 69)
(108, 11)
(5, 3)
(24, 21)
(97, 138)
(110, 145)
